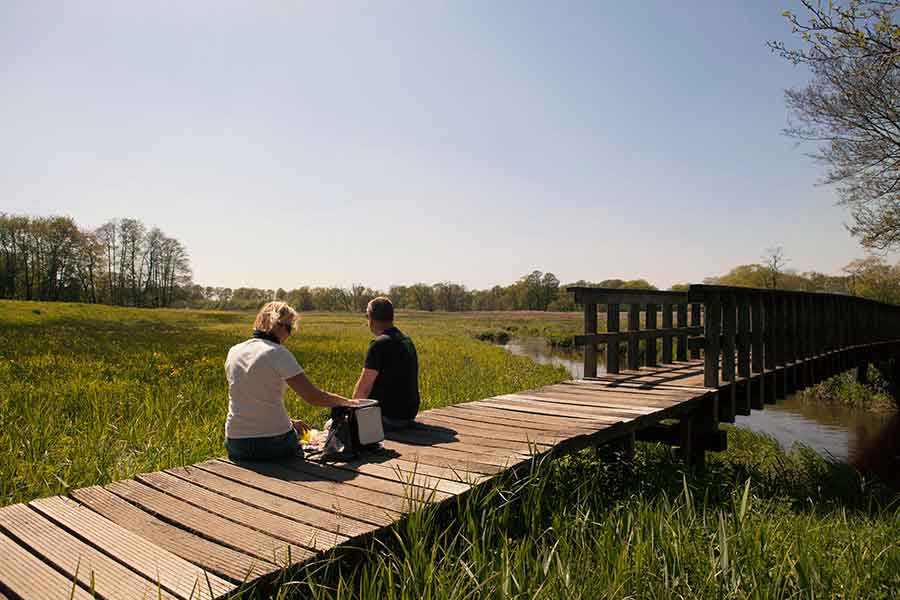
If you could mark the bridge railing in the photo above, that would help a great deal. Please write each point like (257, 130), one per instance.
(651, 315)
(794, 339)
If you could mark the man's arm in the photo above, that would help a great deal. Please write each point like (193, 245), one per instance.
(364, 384)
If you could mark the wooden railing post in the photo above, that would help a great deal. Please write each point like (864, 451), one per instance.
(727, 396)
(681, 320)
(590, 328)
(742, 404)
(612, 347)
(650, 344)
(695, 322)
(634, 324)
(757, 397)
(667, 338)
(769, 346)
(712, 309)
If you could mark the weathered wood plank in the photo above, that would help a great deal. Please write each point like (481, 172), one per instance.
(221, 560)
(75, 559)
(320, 519)
(27, 576)
(211, 526)
(294, 532)
(154, 563)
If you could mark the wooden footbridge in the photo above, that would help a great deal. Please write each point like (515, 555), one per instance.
(210, 529)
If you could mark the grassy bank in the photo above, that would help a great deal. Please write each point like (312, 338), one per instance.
(90, 394)
(758, 523)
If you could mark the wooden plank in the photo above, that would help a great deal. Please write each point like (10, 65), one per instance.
(490, 417)
(607, 408)
(497, 431)
(590, 349)
(30, 578)
(75, 559)
(392, 471)
(300, 534)
(297, 491)
(512, 417)
(154, 563)
(743, 405)
(461, 461)
(211, 526)
(539, 409)
(612, 399)
(612, 347)
(330, 480)
(634, 324)
(769, 347)
(342, 524)
(432, 434)
(218, 559)
(408, 492)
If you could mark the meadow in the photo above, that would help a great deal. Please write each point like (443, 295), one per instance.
(90, 394)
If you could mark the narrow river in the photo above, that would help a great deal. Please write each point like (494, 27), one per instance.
(834, 431)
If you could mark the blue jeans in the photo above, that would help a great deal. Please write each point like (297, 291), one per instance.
(285, 445)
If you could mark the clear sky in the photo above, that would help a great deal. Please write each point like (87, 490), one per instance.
(325, 143)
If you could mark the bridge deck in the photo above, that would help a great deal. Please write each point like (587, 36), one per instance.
(203, 530)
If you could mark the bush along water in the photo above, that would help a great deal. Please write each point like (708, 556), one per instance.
(878, 394)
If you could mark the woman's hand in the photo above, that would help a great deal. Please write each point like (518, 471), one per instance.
(300, 426)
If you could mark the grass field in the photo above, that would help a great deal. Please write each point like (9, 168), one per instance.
(90, 394)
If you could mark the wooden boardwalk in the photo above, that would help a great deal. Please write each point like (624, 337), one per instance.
(203, 530)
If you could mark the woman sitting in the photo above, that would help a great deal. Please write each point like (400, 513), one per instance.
(258, 372)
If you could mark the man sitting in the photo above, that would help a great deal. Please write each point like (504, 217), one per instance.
(391, 371)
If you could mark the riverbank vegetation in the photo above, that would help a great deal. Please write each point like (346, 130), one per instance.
(878, 394)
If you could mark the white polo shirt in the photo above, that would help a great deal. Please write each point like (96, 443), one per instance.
(256, 371)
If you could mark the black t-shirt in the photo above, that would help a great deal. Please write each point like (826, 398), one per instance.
(396, 387)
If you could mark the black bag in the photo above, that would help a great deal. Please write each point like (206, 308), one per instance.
(353, 431)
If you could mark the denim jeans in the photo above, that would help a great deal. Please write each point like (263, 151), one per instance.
(285, 445)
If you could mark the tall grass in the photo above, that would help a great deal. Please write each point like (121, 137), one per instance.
(757, 523)
(90, 394)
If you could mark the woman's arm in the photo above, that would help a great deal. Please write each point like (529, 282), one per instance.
(301, 384)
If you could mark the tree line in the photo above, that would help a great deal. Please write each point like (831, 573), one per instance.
(537, 291)
(121, 262)
(870, 277)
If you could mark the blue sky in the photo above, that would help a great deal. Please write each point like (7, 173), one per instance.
(300, 143)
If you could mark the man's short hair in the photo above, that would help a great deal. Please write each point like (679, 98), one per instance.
(380, 309)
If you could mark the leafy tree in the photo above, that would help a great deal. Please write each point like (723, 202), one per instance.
(852, 107)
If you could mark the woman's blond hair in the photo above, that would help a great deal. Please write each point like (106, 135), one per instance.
(272, 314)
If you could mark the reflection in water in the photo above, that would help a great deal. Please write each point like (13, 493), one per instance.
(833, 431)
(836, 431)
(537, 350)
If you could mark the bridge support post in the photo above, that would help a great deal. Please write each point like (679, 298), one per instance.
(862, 372)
